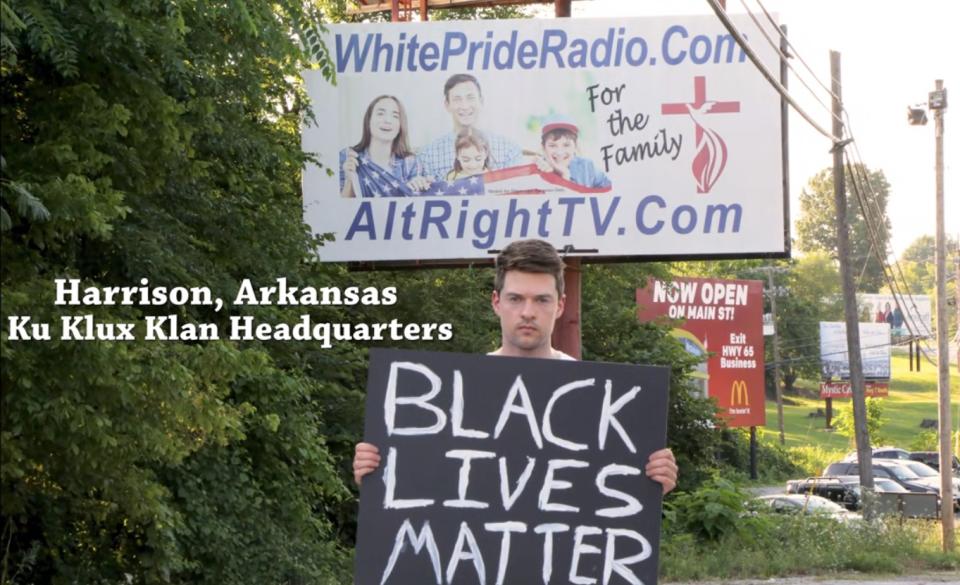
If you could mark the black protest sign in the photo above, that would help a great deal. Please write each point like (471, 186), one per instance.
(510, 470)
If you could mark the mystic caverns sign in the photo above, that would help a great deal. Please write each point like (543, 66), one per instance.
(724, 318)
(510, 470)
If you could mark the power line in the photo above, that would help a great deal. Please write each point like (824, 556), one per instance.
(784, 57)
(874, 236)
(721, 14)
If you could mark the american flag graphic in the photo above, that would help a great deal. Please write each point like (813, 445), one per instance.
(519, 180)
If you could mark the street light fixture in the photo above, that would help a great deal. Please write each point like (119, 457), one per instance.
(916, 116)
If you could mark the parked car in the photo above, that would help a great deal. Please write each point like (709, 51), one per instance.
(932, 458)
(881, 453)
(808, 505)
(843, 490)
(924, 470)
(884, 485)
(896, 471)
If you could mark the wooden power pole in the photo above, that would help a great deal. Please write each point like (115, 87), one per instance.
(864, 455)
(938, 103)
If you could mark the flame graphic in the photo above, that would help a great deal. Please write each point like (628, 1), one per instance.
(710, 160)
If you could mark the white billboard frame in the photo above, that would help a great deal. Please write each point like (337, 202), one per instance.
(698, 133)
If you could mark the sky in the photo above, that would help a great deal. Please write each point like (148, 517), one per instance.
(891, 55)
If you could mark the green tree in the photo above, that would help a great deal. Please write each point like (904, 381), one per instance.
(816, 227)
(919, 268)
(160, 140)
(809, 292)
(919, 263)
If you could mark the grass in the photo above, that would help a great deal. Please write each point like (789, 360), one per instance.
(776, 546)
(714, 532)
(913, 397)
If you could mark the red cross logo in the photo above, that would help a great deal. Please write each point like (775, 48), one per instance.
(711, 157)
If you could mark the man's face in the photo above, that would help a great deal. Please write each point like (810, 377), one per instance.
(560, 150)
(464, 103)
(528, 307)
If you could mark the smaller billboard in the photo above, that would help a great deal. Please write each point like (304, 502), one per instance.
(912, 317)
(769, 327)
(874, 351)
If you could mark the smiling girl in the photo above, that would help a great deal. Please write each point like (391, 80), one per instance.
(381, 164)
(473, 156)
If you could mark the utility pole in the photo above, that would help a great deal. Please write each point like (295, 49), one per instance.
(776, 353)
(862, 436)
(956, 293)
(938, 103)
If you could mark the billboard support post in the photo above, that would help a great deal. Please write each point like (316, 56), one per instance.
(566, 334)
(910, 352)
(753, 453)
(829, 412)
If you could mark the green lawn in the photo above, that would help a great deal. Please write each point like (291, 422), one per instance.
(913, 397)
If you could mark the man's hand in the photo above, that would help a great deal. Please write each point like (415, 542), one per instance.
(661, 468)
(366, 459)
(545, 165)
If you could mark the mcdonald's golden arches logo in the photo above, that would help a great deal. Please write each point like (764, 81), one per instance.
(738, 394)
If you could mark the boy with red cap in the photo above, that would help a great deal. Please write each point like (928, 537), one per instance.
(560, 155)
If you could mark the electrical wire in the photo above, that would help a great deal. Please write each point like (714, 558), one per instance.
(874, 199)
(721, 14)
(872, 231)
(795, 52)
(870, 221)
(786, 59)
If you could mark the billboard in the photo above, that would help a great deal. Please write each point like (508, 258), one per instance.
(874, 350)
(651, 137)
(723, 318)
(913, 316)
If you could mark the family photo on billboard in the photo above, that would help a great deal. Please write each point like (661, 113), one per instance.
(464, 160)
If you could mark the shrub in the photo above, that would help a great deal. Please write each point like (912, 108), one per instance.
(812, 460)
(775, 463)
(844, 422)
(710, 512)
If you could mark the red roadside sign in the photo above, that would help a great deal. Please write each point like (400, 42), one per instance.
(723, 318)
(844, 390)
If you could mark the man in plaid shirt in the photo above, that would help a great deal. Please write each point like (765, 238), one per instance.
(464, 100)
